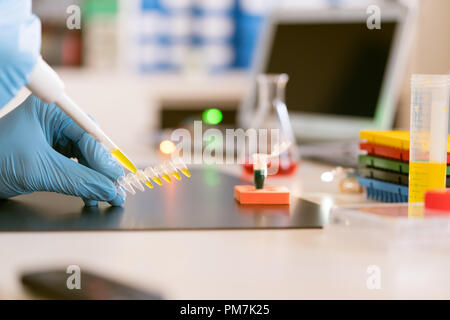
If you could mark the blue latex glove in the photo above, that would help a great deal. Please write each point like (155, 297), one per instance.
(20, 43)
(36, 141)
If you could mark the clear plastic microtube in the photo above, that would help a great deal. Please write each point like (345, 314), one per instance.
(172, 170)
(179, 164)
(150, 175)
(428, 135)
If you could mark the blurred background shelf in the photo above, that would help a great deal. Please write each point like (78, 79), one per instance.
(150, 36)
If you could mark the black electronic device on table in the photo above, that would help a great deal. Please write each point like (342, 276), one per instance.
(54, 284)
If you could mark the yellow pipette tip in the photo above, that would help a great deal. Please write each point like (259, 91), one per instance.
(186, 172)
(123, 160)
(149, 184)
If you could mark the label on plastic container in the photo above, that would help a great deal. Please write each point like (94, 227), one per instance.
(425, 176)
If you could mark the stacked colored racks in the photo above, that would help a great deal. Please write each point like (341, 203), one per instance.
(384, 167)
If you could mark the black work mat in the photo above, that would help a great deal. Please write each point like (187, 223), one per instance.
(205, 201)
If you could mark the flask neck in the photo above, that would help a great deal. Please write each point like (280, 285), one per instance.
(271, 88)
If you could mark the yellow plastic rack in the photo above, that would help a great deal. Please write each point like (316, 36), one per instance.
(390, 138)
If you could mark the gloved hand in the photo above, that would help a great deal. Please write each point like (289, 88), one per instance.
(36, 141)
(20, 43)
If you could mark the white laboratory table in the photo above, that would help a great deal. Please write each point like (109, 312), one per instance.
(241, 264)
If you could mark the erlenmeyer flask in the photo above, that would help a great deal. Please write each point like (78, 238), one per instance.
(271, 113)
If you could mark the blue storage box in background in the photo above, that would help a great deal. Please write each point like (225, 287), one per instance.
(249, 19)
(212, 35)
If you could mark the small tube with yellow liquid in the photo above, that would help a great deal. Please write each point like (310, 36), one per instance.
(163, 173)
(428, 137)
(172, 170)
(151, 174)
(179, 164)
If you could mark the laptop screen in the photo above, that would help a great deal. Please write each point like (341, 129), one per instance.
(334, 68)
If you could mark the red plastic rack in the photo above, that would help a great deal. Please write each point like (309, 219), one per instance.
(388, 152)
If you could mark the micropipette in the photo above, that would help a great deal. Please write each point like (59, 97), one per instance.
(46, 84)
